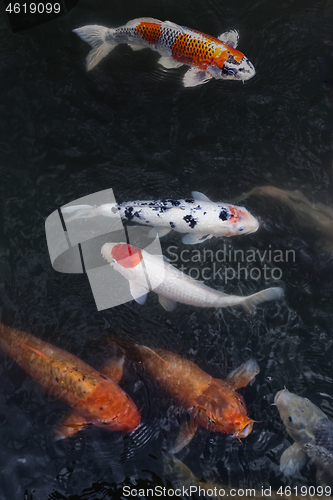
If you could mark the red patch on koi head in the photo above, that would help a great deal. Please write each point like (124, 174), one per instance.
(237, 214)
(127, 256)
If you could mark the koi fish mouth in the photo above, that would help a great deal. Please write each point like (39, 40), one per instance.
(233, 70)
(246, 430)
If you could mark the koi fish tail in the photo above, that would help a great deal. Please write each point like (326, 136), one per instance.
(87, 211)
(101, 40)
(252, 301)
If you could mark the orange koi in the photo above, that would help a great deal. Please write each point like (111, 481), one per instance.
(212, 403)
(94, 398)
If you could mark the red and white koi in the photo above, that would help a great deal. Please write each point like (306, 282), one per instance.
(209, 57)
(146, 272)
(198, 217)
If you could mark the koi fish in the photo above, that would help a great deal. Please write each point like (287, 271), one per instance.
(146, 272)
(95, 399)
(209, 57)
(316, 217)
(212, 403)
(198, 217)
(312, 433)
(183, 477)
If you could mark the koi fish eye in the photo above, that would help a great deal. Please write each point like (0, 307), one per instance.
(291, 419)
(241, 228)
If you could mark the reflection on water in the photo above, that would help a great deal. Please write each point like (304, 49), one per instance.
(132, 127)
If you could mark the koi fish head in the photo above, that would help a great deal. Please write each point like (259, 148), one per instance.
(299, 416)
(233, 65)
(111, 408)
(235, 220)
(221, 409)
(127, 256)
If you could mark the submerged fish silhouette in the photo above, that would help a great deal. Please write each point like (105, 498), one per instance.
(95, 399)
(316, 217)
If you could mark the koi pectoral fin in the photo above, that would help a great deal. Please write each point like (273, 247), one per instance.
(187, 431)
(230, 38)
(292, 460)
(243, 374)
(169, 63)
(71, 424)
(114, 369)
(167, 304)
(194, 77)
(194, 239)
(138, 292)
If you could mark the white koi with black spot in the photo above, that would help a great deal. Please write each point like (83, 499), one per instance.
(207, 56)
(198, 217)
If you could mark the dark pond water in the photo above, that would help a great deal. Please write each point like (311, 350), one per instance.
(130, 126)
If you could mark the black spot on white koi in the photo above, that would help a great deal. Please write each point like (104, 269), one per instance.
(189, 200)
(205, 213)
(190, 221)
(137, 214)
(224, 214)
(172, 224)
(129, 213)
(174, 203)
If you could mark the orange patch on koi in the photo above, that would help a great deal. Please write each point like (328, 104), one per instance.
(151, 32)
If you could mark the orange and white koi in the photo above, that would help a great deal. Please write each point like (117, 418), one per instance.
(95, 399)
(146, 272)
(209, 57)
(198, 217)
(212, 403)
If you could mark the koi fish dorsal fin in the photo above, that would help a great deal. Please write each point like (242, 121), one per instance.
(152, 353)
(186, 433)
(194, 77)
(173, 25)
(200, 196)
(114, 369)
(243, 374)
(230, 38)
(32, 349)
(134, 22)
